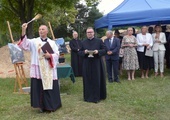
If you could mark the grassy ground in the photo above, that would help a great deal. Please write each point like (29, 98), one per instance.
(141, 99)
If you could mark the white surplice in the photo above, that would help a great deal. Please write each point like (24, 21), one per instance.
(40, 67)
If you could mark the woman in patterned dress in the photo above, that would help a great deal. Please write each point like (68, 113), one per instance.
(130, 60)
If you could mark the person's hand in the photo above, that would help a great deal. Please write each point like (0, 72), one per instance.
(131, 45)
(128, 45)
(158, 41)
(96, 51)
(46, 55)
(24, 27)
(109, 52)
(86, 52)
(145, 44)
(148, 47)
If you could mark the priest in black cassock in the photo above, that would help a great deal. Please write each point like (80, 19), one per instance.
(76, 60)
(45, 92)
(94, 81)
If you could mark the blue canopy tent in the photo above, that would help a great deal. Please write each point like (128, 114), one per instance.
(101, 22)
(136, 12)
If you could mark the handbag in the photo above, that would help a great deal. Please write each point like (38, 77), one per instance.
(121, 52)
(149, 52)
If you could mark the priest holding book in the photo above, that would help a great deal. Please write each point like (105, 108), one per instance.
(45, 92)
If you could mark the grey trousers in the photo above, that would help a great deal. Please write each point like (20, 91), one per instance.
(159, 60)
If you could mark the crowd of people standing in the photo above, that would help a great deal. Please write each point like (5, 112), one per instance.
(131, 52)
(143, 51)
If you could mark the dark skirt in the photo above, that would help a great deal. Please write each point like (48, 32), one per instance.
(45, 99)
(145, 62)
(120, 60)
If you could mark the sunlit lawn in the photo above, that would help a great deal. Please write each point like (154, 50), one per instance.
(142, 99)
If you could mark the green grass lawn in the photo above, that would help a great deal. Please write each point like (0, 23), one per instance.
(142, 99)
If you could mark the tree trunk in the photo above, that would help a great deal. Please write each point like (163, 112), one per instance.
(30, 31)
(25, 13)
(30, 7)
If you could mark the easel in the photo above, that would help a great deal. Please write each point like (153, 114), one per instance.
(20, 79)
(62, 54)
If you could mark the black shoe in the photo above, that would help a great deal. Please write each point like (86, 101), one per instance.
(117, 81)
(50, 111)
(110, 81)
(96, 102)
(42, 110)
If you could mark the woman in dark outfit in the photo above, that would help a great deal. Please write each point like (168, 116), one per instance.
(145, 42)
(167, 46)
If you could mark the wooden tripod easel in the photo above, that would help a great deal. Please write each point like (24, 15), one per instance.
(20, 80)
(52, 34)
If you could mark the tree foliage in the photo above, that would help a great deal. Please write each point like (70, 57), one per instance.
(85, 18)
(19, 11)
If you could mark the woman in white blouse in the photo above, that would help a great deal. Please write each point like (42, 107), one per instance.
(145, 42)
(159, 49)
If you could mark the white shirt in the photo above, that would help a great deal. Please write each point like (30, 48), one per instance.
(143, 39)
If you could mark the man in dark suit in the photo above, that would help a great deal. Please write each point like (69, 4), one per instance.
(112, 58)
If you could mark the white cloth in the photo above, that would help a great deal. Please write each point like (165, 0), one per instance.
(159, 46)
(159, 60)
(143, 39)
(33, 46)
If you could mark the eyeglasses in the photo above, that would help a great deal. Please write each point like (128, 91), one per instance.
(89, 32)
